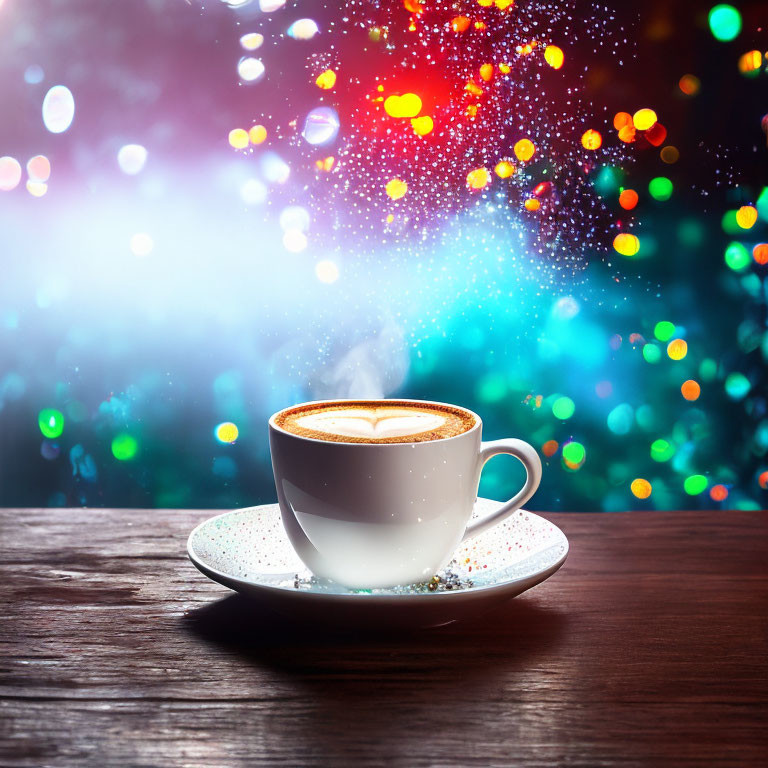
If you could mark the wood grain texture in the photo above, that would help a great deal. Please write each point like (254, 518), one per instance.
(649, 648)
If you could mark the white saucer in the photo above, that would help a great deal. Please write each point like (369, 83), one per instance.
(248, 551)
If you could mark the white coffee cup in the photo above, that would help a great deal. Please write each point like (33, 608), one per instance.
(370, 515)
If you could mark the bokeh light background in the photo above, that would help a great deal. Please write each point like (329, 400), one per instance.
(197, 246)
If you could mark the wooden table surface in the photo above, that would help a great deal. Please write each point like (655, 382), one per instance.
(648, 648)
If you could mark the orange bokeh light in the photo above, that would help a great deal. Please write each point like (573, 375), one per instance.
(760, 253)
(628, 199)
(479, 178)
(620, 119)
(627, 133)
(524, 149)
(549, 448)
(689, 85)
(718, 493)
(641, 488)
(691, 390)
(460, 23)
(504, 169)
(591, 139)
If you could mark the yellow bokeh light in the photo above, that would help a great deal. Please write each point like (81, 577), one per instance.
(486, 72)
(746, 216)
(554, 56)
(227, 432)
(396, 188)
(626, 244)
(252, 41)
(641, 488)
(473, 88)
(238, 138)
(325, 163)
(326, 80)
(407, 105)
(524, 150)
(644, 119)
(504, 169)
(677, 349)
(257, 134)
(532, 204)
(422, 125)
(505, 69)
(750, 61)
(591, 139)
(502, 5)
(479, 178)
(37, 188)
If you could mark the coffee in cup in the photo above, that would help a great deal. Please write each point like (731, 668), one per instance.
(379, 493)
(375, 421)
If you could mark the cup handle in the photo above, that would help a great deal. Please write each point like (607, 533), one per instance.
(529, 458)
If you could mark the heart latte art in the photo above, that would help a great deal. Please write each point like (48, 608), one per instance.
(372, 423)
(380, 421)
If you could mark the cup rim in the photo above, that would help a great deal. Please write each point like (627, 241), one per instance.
(476, 426)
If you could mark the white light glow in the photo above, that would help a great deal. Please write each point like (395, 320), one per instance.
(249, 69)
(58, 109)
(326, 271)
(295, 241)
(142, 244)
(131, 158)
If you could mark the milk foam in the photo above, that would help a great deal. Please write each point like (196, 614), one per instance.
(372, 424)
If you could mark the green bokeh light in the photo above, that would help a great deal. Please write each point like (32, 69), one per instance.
(730, 225)
(645, 416)
(660, 188)
(664, 330)
(662, 450)
(651, 353)
(574, 452)
(691, 233)
(51, 422)
(608, 180)
(725, 22)
(747, 505)
(563, 408)
(492, 388)
(708, 369)
(737, 385)
(124, 447)
(737, 257)
(695, 484)
(762, 204)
